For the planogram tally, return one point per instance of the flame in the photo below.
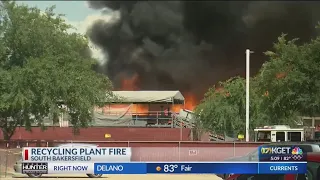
(130, 84)
(121, 108)
(140, 108)
(176, 108)
(117, 109)
(190, 101)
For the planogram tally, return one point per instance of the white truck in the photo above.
(279, 133)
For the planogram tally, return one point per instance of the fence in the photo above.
(141, 150)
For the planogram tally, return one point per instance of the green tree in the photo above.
(286, 87)
(223, 109)
(42, 66)
(291, 78)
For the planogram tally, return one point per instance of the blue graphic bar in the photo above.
(282, 168)
(120, 168)
(202, 168)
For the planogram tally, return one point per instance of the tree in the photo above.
(223, 109)
(43, 66)
(292, 79)
(286, 87)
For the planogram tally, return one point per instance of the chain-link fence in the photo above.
(142, 151)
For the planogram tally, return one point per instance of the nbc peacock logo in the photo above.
(297, 153)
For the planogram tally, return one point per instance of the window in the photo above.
(294, 136)
(306, 148)
(280, 136)
(264, 136)
(316, 122)
(317, 135)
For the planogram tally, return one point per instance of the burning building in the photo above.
(125, 119)
(141, 108)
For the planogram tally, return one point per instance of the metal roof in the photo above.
(149, 96)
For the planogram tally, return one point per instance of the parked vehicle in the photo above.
(254, 155)
(313, 172)
(279, 133)
(18, 165)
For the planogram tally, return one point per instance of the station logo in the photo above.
(275, 150)
(297, 153)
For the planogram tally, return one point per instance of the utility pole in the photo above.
(247, 94)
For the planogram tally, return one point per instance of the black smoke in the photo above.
(191, 45)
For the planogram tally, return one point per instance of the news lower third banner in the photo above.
(76, 154)
(177, 168)
(202, 168)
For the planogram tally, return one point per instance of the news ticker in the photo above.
(281, 153)
(69, 154)
(167, 168)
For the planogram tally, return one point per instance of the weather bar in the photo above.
(202, 168)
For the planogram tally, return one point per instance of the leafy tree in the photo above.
(42, 66)
(291, 78)
(223, 109)
(286, 86)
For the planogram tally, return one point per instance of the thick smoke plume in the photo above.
(190, 46)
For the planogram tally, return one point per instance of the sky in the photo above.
(74, 10)
(77, 13)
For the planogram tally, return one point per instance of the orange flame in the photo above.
(176, 108)
(130, 84)
(140, 108)
(190, 101)
(121, 108)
